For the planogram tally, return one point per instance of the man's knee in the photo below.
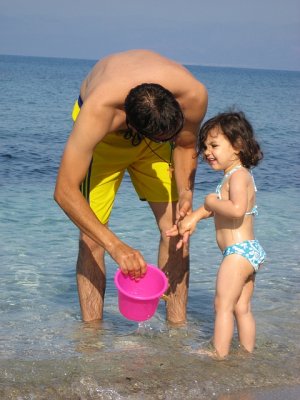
(90, 256)
(88, 244)
(164, 214)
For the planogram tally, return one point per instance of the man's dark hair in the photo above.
(153, 111)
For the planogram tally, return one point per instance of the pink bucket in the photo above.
(138, 300)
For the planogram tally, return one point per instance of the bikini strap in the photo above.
(254, 210)
(229, 173)
(255, 188)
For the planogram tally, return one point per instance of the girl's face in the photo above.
(219, 152)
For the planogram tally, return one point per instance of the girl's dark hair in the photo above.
(153, 110)
(239, 132)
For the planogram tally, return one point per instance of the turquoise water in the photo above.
(46, 351)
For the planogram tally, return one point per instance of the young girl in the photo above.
(227, 143)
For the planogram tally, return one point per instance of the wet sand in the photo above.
(274, 393)
(135, 371)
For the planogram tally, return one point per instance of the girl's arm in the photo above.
(189, 223)
(236, 205)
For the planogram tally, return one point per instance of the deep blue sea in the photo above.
(46, 351)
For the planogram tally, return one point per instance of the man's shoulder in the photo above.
(195, 101)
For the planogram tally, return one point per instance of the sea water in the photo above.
(46, 351)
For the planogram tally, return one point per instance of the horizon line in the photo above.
(187, 64)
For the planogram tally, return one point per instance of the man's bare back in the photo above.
(112, 77)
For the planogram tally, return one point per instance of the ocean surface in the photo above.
(46, 351)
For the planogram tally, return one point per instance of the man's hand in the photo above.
(184, 205)
(184, 208)
(130, 261)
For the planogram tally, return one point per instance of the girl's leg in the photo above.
(232, 275)
(244, 317)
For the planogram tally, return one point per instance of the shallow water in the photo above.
(46, 351)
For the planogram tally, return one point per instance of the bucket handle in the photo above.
(165, 297)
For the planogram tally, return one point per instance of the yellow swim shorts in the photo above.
(146, 163)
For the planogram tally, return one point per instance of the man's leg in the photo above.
(91, 280)
(175, 263)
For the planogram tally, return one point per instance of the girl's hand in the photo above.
(187, 224)
(184, 228)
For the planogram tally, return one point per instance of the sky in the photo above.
(238, 33)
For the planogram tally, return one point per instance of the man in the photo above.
(140, 112)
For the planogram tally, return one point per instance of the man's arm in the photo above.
(185, 159)
(185, 162)
(89, 129)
